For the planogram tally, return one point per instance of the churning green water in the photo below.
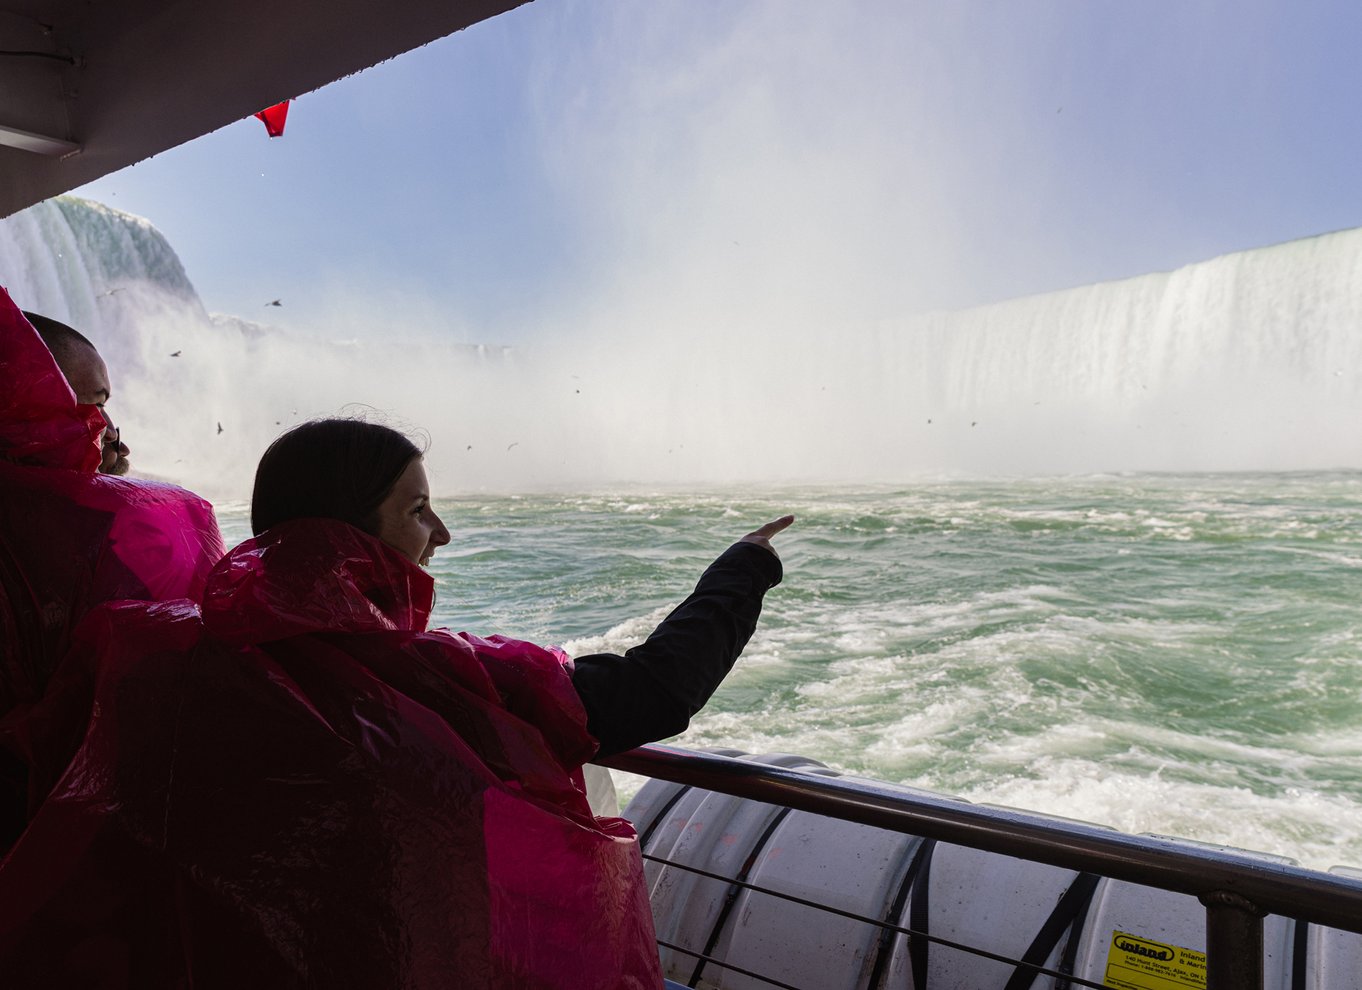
(1173, 654)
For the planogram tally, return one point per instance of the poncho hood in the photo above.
(40, 421)
(312, 576)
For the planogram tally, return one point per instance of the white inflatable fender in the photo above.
(1098, 929)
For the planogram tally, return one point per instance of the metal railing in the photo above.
(1237, 889)
(886, 928)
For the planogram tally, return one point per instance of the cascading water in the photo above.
(197, 396)
(1248, 361)
(67, 256)
(1251, 361)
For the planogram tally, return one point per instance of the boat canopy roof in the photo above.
(87, 88)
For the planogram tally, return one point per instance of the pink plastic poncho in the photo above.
(304, 788)
(70, 538)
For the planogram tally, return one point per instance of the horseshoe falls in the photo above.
(1250, 361)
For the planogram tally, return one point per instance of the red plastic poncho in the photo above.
(304, 788)
(40, 421)
(70, 538)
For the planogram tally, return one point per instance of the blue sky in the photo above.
(572, 163)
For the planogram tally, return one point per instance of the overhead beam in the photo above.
(39, 144)
(153, 74)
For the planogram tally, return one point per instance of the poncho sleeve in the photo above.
(652, 691)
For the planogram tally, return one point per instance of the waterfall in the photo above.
(198, 396)
(64, 256)
(1250, 361)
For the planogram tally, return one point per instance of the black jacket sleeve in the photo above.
(651, 692)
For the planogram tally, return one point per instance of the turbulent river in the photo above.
(1179, 654)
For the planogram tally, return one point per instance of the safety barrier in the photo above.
(775, 871)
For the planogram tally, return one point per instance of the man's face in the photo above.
(89, 379)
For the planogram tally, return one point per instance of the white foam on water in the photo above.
(1318, 830)
(618, 638)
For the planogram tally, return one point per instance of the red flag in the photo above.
(273, 118)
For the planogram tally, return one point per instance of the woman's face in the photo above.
(406, 522)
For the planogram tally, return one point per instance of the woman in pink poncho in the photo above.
(300, 786)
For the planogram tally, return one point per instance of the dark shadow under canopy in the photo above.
(89, 88)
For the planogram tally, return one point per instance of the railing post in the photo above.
(1234, 942)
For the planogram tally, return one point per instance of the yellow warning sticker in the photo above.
(1136, 963)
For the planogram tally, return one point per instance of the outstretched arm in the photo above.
(653, 690)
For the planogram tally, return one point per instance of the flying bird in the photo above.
(176, 353)
(219, 427)
(274, 302)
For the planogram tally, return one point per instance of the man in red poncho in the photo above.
(70, 538)
(88, 377)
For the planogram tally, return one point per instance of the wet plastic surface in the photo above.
(70, 538)
(304, 788)
(40, 421)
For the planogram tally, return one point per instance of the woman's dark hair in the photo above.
(329, 469)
